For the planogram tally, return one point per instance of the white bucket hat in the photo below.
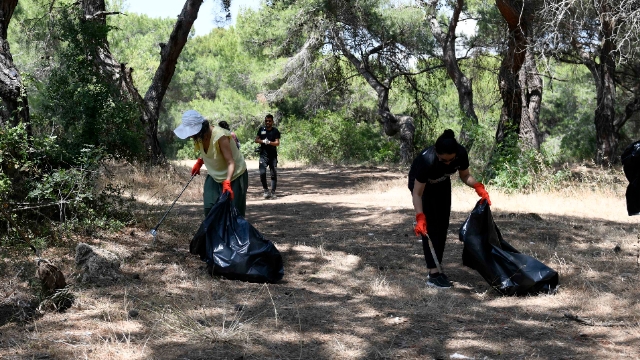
(191, 124)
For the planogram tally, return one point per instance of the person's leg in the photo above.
(239, 187)
(263, 176)
(436, 203)
(213, 190)
(273, 168)
(211, 193)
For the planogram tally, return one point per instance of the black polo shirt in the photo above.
(426, 168)
(273, 135)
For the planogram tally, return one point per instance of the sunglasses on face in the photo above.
(442, 159)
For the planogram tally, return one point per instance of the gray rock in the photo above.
(97, 266)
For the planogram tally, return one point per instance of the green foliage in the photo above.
(567, 115)
(187, 151)
(39, 192)
(80, 104)
(515, 168)
(333, 138)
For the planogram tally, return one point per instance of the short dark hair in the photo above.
(223, 124)
(269, 116)
(447, 143)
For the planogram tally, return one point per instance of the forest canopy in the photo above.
(535, 85)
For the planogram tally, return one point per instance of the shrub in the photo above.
(39, 192)
(514, 168)
(333, 138)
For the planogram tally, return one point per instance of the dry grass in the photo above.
(354, 279)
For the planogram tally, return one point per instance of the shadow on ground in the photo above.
(354, 286)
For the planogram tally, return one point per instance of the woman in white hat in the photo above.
(226, 168)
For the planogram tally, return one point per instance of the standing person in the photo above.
(430, 185)
(226, 168)
(225, 125)
(269, 138)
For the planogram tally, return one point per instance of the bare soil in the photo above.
(354, 285)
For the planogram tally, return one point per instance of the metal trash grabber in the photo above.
(433, 253)
(154, 231)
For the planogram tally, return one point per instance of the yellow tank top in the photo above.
(214, 160)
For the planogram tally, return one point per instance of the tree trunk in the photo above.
(392, 124)
(463, 84)
(512, 60)
(530, 83)
(520, 86)
(94, 10)
(15, 105)
(603, 72)
(396, 124)
(607, 136)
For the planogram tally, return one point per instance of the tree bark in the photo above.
(603, 72)
(447, 41)
(607, 135)
(513, 80)
(530, 83)
(392, 124)
(94, 10)
(15, 105)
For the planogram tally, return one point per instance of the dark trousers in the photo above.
(272, 163)
(436, 204)
(213, 190)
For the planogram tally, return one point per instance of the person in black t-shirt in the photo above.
(430, 186)
(269, 138)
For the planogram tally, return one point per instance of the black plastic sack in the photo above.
(503, 267)
(235, 249)
(631, 167)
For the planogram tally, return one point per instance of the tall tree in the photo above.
(445, 35)
(380, 42)
(519, 82)
(15, 106)
(95, 11)
(601, 35)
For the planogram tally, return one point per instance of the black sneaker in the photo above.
(440, 281)
(273, 195)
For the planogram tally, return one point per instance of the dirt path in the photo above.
(354, 285)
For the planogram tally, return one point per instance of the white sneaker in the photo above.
(267, 194)
(273, 195)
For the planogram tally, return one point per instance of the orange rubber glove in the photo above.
(421, 225)
(195, 170)
(482, 192)
(226, 186)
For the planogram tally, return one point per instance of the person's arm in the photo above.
(420, 227)
(275, 142)
(258, 140)
(465, 177)
(418, 190)
(225, 148)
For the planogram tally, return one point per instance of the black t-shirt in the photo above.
(426, 167)
(273, 135)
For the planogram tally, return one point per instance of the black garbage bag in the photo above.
(235, 249)
(631, 167)
(502, 266)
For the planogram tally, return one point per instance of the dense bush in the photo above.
(515, 168)
(80, 103)
(333, 138)
(41, 194)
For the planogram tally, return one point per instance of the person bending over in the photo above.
(226, 168)
(430, 186)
